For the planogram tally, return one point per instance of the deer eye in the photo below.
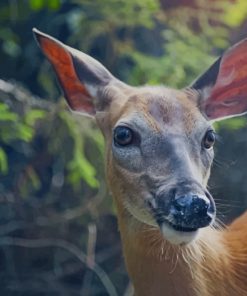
(123, 136)
(209, 139)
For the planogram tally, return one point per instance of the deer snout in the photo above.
(191, 211)
(184, 210)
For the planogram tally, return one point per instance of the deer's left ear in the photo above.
(82, 78)
(223, 86)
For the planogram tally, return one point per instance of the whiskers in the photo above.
(227, 203)
(219, 163)
(156, 243)
(226, 209)
(174, 262)
(160, 248)
(218, 224)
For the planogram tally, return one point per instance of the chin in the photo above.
(178, 237)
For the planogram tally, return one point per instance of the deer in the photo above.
(158, 155)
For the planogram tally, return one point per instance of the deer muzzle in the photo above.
(184, 209)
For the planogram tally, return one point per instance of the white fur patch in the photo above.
(178, 237)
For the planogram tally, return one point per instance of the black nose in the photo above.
(191, 211)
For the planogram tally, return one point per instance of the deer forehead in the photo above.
(157, 109)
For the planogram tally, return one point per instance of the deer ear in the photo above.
(223, 86)
(80, 76)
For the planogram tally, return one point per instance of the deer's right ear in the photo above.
(80, 76)
(223, 86)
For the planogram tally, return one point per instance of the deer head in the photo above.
(159, 140)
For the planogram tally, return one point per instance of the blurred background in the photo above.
(58, 231)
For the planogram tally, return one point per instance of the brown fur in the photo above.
(213, 265)
(172, 125)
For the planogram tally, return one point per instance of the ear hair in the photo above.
(223, 86)
(208, 78)
(80, 76)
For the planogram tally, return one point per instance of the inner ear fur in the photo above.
(80, 76)
(223, 86)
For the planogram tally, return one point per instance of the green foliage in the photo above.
(16, 126)
(176, 66)
(79, 167)
(236, 13)
(26, 123)
(232, 124)
(41, 4)
(118, 13)
(3, 162)
(32, 116)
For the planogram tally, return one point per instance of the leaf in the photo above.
(35, 181)
(54, 4)
(232, 123)
(25, 132)
(6, 114)
(79, 167)
(236, 13)
(3, 162)
(37, 4)
(31, 117)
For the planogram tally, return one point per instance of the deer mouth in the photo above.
(161, 220)
(180, 223)
(180, 228)
(178, 235)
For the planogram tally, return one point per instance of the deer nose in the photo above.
(191, 211)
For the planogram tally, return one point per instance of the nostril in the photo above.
(200, 206)
(177, 206)
(192, 205)
(182, 202)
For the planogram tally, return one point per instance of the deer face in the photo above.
(159, 141)
(159, 153)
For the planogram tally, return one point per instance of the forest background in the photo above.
(58, 230)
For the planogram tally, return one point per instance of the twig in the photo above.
(19, 94)
(92, 235)
(74, 213)
(59, 243)
(69, 214)
(129, 290)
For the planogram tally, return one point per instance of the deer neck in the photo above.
(158, 268)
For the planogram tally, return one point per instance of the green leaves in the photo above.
(232, 124)
(6, 114)
(236, 12)
(41, 4)
(79, 167)
(66, 135)
(3, 162)
(15, 126)
(120, 13)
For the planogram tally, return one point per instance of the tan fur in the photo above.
(213, 265)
